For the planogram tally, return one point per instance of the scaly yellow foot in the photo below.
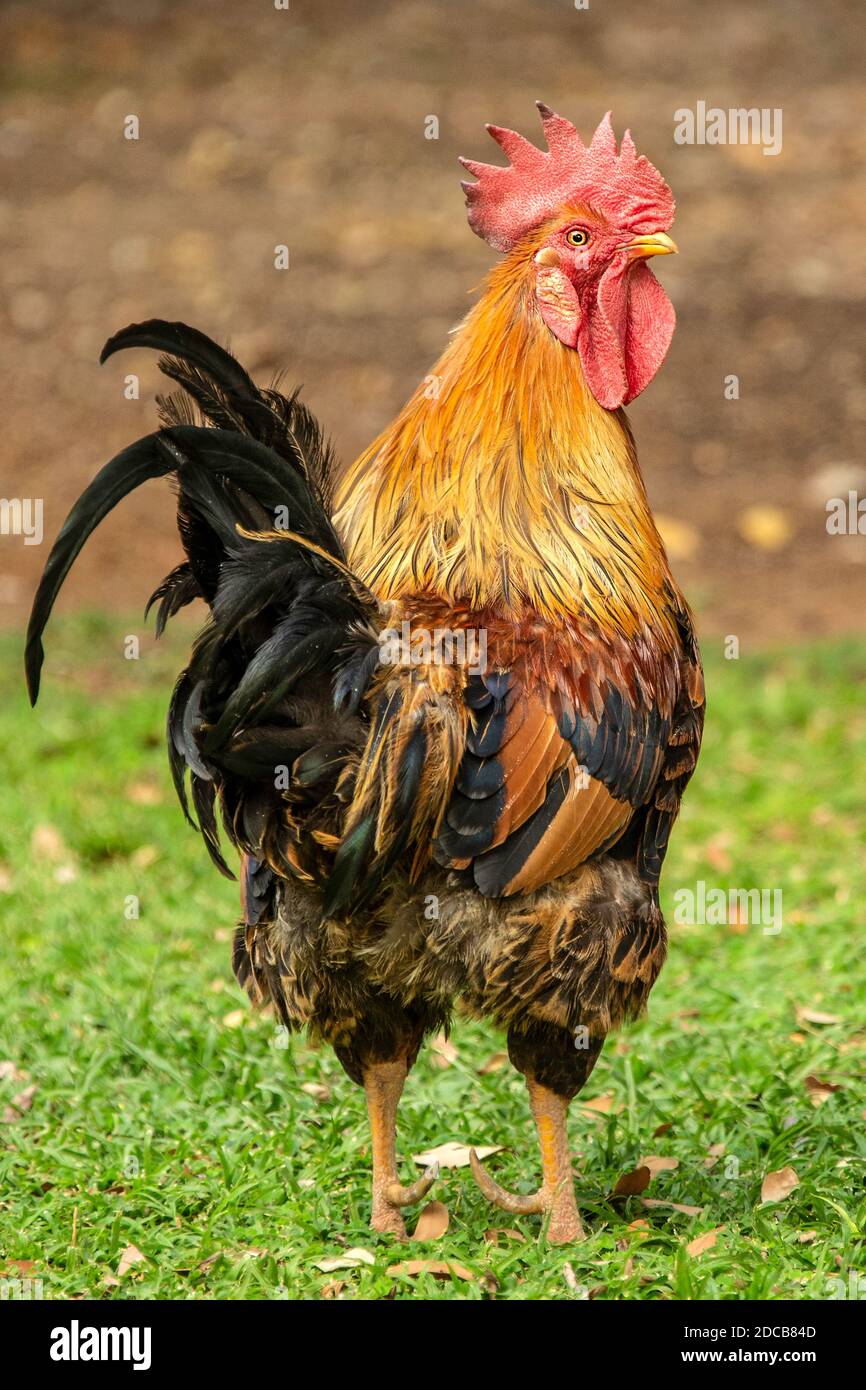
(383, 1086)
(555, 1198)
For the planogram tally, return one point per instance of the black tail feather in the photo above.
(229, 398)
(148, 458)
(214, 368)
(279, 672)
(177, 590)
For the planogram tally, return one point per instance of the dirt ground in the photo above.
(261, 126)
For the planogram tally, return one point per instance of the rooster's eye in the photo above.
(577, 237)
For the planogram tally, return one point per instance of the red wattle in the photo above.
(625, 333)
(649, 328)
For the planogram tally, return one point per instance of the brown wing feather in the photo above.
(528, 761)
(573, 736)
(587, 820)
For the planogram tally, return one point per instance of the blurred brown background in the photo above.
(261, 126)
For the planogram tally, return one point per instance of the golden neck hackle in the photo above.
(503, 483)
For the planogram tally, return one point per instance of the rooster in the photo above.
(448, 717)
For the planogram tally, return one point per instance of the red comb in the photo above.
(624, 187)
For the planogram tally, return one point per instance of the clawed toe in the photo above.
(399, 1196)
(564, 1225)
(516, 1203)
(392, 1196)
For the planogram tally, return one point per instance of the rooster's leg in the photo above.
(383, 1086)
(555, 1197)
(551, 1082)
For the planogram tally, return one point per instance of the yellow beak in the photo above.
(653, 244)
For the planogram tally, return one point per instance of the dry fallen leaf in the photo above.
(144, 794)
(716, 852)
(779, 1185)
(317, 1090)
(454, 1155)
(19, 1106)
(334, 1289)
(144, 856)
(570, 1277)
(443, 1052)
(46, 842)
(9, 1072)
(806, 1237)
(235, 1019)
(738, 918)
(432, 1222)
(24, 1099)
(507, 1232)
(205, 1265)
(494, 1063)
(671, 1206)
(714, 1153)
(662, 1128)
(816, 1016)
(658, 1164)
(129, 1257)
(440, 1269)
(704, 1242)
(819, 1091)
(352, 1258)
(630, 1184)
(603, 1105)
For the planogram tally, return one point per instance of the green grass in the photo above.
(156, 1124)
